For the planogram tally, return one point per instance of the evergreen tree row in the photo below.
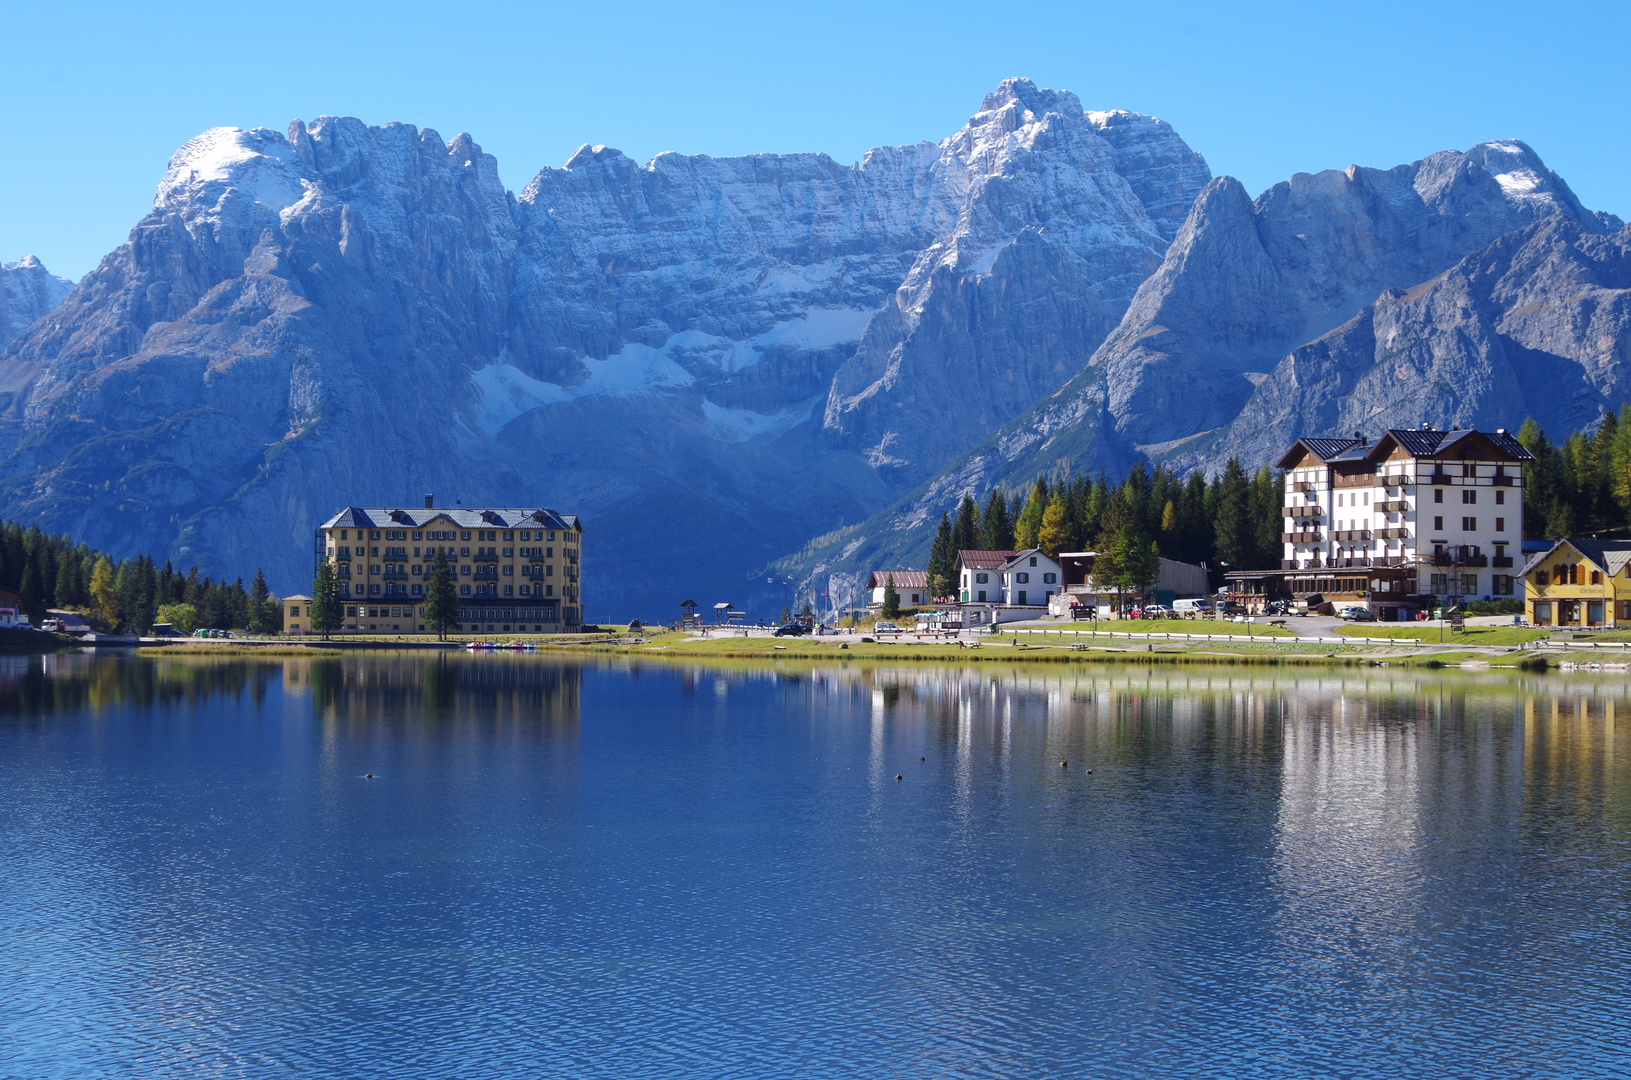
(1581, 487)
(1232, 522)
(52, 571)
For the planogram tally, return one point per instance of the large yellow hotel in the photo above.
(515, 570)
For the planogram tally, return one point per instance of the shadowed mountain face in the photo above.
(1464, 288)
(713, 360)
(730, 355)
(28, 292)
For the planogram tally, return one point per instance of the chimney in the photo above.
(430, 502)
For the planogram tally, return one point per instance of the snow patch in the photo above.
(817, 328)
(795, 279)
(1520, 182)
(740, 425)
(259, 163)
(504, 392)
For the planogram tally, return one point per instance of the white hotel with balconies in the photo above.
(1401, 522)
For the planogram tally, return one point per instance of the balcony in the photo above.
(1305, 487)
(1351, 536)
(1314, 537)
(1304, 511)
(1502, 562)
(1502, 481)
(1380, 562)
(1475, 560)
(1440, 479)
(1392, 506)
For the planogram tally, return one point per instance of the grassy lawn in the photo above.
(1506, 636)
(1160, 626)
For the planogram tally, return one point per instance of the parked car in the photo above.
(792, 629)
(1356, 613)
(1277, 607)
(886, 628)
(1231, 607)
(1191, 608)
(1156, 611)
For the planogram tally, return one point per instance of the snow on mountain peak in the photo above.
(259, 162)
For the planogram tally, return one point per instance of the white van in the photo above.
(1188, 609)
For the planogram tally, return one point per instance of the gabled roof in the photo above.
(1431, 443)
(1610, 556)
(358, 517)
(1417, 442)
(1323, 449)
(904, 579)
(984, 560)
(1021, 555)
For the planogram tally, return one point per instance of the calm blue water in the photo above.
(669, 871)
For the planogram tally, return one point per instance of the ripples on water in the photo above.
(669, 871)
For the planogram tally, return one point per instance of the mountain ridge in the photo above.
(345, 313)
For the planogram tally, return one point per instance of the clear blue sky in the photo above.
(98, 95)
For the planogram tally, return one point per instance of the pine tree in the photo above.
(327, 613)
(965, 534)
(891, 598)
(1143, 564)
(996, 527)
(1267, 497)
(942, 561)
(265, 615)
(441, 605)
(1540, 480)
(1231, 516)
(1029, 525)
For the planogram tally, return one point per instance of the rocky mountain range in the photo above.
(712, 360)
(28, 292)
(1464, 288)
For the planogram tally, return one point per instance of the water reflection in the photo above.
(630, 868)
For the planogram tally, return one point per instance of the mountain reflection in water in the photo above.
(629, 868)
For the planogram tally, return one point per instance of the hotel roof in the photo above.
(1417, 442)
(502, 517)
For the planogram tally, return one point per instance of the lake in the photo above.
(631, 869)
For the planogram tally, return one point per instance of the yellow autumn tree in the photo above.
(105, 595)
(1055, 531)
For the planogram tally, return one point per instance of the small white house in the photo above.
(911, 585)
(1007, 578)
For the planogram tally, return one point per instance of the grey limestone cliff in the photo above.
(28, 292)
(1467, 287)
(354, 314)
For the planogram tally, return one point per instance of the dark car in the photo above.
(792, 629)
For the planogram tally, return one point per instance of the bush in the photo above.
(1494, 607)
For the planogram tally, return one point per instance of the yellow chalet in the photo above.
(1580, 583)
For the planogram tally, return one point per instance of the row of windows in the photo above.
(1469, 524)
(452, 534)
(344, 552)
(420, 569)
(392, 588)
(1467, 584)
(1568, 611)
(1021, 578)
(547, 614)
(1570, 574)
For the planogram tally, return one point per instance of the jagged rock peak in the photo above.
(28, 291)
(593, 155)
(1033, 98)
